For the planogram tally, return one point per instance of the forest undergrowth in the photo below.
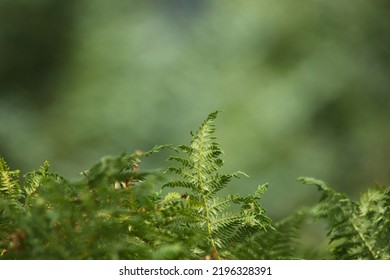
(117, 210)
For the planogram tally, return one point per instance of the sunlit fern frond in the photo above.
(198, 166)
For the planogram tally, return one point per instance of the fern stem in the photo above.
(369, 248)
(356, 229)
(214, 251)
(361, 236)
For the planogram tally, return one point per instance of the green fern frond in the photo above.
(34, 180)
(280, 242)
(154, 150)
(10, 196)
(119, 171)
(9, 183)
(357, 230)
(198, 168)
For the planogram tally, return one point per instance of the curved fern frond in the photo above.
(357, 230)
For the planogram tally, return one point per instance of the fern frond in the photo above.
(111, 170)
(155, 149)
(227, 229)
(9, 183)
(10, 203)
(35, 179)
(355, 228)
(198, 168)
(278, 242)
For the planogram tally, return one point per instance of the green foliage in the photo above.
(10, 194)
(198, 168)
(117, 210)
(257, 59)
(357, 230)
(9, 185)
(281, 243)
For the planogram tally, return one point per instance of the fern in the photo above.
(90, 218)
(357, 230)
(117, 210)
(198, 168)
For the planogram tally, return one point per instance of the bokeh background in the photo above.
(304, 85)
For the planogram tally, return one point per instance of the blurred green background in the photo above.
(304, 85)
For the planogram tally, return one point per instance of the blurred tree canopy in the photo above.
(304, 85)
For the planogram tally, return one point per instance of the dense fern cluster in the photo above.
(119, 211)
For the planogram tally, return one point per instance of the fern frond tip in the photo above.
(312, 181)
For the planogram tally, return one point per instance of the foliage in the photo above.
(357, 230)
(119, 211)
(222, 229)
(295, 85)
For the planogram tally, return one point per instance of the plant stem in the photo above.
(201, 183)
